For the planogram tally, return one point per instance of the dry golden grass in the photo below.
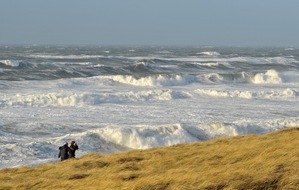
(245, 162)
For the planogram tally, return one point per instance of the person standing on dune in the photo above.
(72, 149)
(64, 152)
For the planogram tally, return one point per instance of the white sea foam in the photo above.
(272, 94)
(13, 63)
(289, 49)
(219, 93)
(81, 99)
(121, 138)
(270, 77)
(209, 64)
(50, 56)
(165, 52)
(106, 140)
(253, 60)
(214, 64)
(159, 80)
(209, 53)
(141, 137)
(216, 130)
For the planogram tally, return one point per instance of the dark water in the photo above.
(48, 63)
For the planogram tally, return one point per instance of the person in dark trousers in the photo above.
(64, 152)
(72, 149)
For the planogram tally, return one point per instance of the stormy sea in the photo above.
(112, 99)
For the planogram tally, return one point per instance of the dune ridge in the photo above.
(269, 161)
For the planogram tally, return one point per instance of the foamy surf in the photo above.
(123, 138)
(118, 99)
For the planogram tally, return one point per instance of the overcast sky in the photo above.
(150, 22)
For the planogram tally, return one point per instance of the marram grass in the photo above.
(268, 161)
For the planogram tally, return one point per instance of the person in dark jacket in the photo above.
(64, 152)
(72, 149)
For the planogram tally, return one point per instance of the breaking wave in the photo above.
(283, 93)
(57, 99)
(14, 63)
(143, 136)
(116, 138)
(209, 53)
(50, 56)
(270, 77)
(158, 80)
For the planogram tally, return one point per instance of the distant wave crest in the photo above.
(56, 99)
(270, 77)
(15, 63)
(157, 80)
(209, 53)
(283, 93)
(11, 63)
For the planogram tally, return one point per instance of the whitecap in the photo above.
(13, 63)
(209, 53)
(159, 80)
(269, 77)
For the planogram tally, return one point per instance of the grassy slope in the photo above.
(245, 162)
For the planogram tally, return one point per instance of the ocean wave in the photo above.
(116, 138)
(214, 64)
(209, 53)
(51, 56)
(58, 99)
(32, 153)
(11, 63)
(282, 93)
(280, 60)
(269, 77)
(141, 67)
(238, 77)
(143, 137)
(219, 93)
(217, 130)
(105, 140)
(165, 52)
(157, 80)
(15, 63)
(137, 137)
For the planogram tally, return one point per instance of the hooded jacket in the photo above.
(72, 150)
(63, 152)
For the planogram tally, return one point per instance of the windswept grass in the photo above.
(245, 162)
